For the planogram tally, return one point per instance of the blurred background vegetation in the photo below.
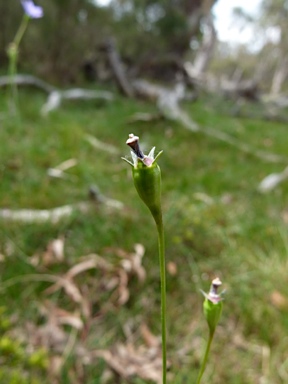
(80, 294)
(153, 38)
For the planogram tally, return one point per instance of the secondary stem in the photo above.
(13, 57)
(161, 245)
(21, 30)
(204, 362)
(12, 90)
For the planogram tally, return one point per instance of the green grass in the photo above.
(216, 224)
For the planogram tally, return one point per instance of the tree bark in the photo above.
(205, 52)
(118, 69)
(280, 76)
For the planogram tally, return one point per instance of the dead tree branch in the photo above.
(27, 80)
(118, 69)
(56, 97)
(266, 156)
(271, 181)
(168, 101)
(55, 215)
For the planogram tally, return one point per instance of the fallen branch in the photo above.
(247, 89)
(59, 170)
(101, 145)
(168, 100)
(268, 109)
(270, 157)
(27, 80)
(55, 98)
(54, 215)
(267, 116)
(144, 117)
(272, 181)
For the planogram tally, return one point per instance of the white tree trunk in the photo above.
(205, 52)
(280, 76)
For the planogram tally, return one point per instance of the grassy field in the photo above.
(217, 224)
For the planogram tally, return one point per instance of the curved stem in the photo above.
(205, 358)
(161, 246)
(21, 30)
(13, 57)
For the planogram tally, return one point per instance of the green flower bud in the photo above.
(146, 176)
(212, 305)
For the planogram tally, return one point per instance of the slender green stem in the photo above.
(205, 358)
(21, 30)
(13, 58)
(161, 245)
(12, 91)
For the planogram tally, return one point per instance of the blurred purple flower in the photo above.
(32, 10)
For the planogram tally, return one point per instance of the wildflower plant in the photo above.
(147, 180)
(212, 308)
(31, 11)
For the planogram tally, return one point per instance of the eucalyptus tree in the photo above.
(273, 25)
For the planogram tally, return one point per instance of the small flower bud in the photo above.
(212, 305)
(146, 176)
(147, 181)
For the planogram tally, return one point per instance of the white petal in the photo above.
(134, 158)
(151, 153)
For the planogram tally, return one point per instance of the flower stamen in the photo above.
(133, 143)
